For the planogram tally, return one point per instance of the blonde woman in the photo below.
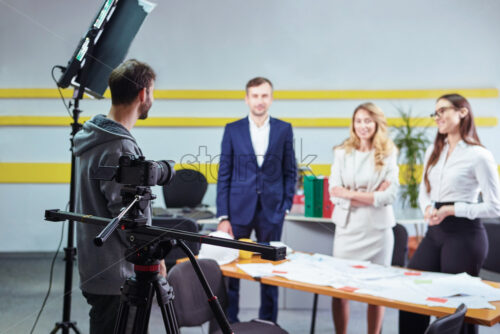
(363, 184)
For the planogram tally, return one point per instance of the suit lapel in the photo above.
(349, 170)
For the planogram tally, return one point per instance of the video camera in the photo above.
(137, 171)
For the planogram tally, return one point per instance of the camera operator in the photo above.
(101, 142)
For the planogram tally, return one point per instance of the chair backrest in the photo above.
(190, 302)
(178, 223)
(449, 324)
(186, 189)
(492, 261)
(400, 252)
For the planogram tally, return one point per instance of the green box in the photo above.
(313, 192)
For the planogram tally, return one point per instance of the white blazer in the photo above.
(380, 214)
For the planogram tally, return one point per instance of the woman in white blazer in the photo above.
(363, 184)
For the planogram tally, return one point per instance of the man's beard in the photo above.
(144, 109)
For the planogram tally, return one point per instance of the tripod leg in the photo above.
(135, 307)
(165, 296)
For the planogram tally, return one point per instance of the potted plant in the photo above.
(411, 140)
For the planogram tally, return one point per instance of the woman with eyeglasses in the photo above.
(457, 168)
(363, 184)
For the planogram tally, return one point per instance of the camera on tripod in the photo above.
(137, 171)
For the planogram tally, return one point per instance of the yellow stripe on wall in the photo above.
(41, 172)
(191, 94)
(324, 122)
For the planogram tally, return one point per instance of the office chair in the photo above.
(400, 252)
(492, 261)
(178, 223)
(185, 192)
(449, 324)
(186, 189)
(191, 305)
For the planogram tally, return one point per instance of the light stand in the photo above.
(102, 48)
(70, 250)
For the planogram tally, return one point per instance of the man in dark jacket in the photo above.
(256, 183)
(101, 142)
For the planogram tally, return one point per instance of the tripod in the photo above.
(149, 244)
(138, 290)
(136, 300)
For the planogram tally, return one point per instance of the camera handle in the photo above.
(114, 223)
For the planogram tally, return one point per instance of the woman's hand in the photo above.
(383, 186)
(437, 216)
(428, 213)
(341, 192)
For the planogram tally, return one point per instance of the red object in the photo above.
(412, 273)
(280, 272)
(299, 199)
(348, 288)
(327, 204)
(436, 299)
(154, 267)
(358, 266)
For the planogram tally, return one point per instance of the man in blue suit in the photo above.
(256, 183)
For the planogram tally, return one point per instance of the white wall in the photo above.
(220, 44)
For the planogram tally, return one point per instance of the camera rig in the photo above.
(149, 244)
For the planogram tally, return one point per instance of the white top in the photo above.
(260, 139)
(469, 169)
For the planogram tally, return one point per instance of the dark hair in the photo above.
(126, 81)
(257, 82)
(467, 130)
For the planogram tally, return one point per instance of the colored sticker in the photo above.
(358, 266)
(279, 272)
(412, 273)
(437, 300)
(348, 288)
(422, 281)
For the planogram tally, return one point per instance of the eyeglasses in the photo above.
(440, 111)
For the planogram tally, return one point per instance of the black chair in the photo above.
(186, 189)
(191, 305)
(400, 252)
(492, 261)
(178, 223)
(184, 195)
(449, 324)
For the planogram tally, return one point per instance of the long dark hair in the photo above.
(467, 130)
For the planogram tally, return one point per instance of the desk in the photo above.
(475, 316)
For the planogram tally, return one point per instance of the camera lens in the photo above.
(165, 172)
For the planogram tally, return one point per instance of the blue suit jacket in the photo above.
(241, 181)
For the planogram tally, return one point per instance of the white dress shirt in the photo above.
(469, 169)
(260, 139)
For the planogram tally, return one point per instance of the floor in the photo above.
(24, 280)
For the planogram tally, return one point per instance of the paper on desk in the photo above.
(257, 269)
(425, 288)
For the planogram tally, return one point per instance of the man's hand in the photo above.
(163, 269)
(437, 216)
(341, 192)
(383, 186)
(225, 226)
